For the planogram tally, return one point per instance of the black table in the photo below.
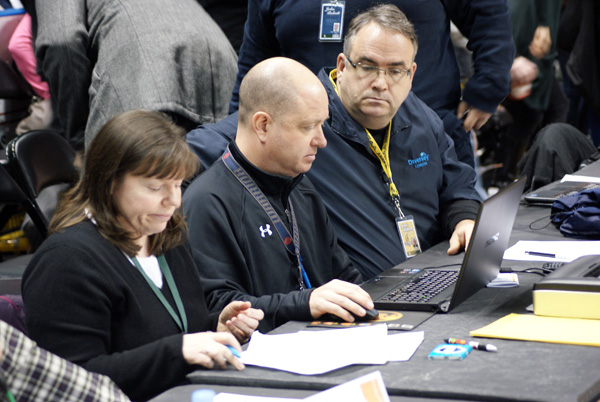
(184, 393)
(520, 371)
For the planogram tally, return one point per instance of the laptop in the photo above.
(399, 288)
(549, 193)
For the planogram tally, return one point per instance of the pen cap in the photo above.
(203, 395)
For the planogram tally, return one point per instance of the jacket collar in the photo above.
(344, 125)
(269, 184)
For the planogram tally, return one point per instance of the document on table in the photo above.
(551, 251)
(317, 352)
(530, 327)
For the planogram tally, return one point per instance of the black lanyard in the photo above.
(181, 319)
(284, 235)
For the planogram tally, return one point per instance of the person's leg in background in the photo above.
(558, 108)
(21, 49)
(518, 137)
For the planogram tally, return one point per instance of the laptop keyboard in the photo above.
(424, 288)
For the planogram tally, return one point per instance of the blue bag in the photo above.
(578, 215)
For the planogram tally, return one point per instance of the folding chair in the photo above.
(37, 160)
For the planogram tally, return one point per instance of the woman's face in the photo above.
(146, 204)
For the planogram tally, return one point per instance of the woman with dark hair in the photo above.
(114, 288)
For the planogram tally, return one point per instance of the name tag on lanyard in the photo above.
(408, 236)
(332, 21)
(405, 224)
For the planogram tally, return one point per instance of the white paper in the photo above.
(401, 347)
(563, 251)
(317, 352)
(580, 179)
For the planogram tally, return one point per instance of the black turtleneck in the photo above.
(276, 188)
(240, 255)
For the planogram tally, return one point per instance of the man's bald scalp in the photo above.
(271, 86)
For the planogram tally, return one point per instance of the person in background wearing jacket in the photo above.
(306, 31)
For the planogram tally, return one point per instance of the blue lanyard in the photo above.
(181, 319)
(284, 235)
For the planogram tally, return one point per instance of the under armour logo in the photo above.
(266, 230)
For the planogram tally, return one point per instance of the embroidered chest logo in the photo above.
(266, 231)
(420, 162)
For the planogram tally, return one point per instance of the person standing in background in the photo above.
(535, 25)
(104, 57)
(21, 49)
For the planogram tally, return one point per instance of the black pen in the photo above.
(537, 253)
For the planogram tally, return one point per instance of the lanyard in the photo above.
(384, 158)
(284, 235)
(181, 319)
(382, 154)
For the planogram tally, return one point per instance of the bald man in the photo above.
(258, 229)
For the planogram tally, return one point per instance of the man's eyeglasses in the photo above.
(363, 70)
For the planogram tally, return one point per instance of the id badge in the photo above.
(332, 21)
(408, 236)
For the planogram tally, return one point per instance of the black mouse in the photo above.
(370, 315)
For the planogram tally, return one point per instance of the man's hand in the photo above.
(540, 45)
(239, 319)
(474, 119)
(340, 298)
(461, 236)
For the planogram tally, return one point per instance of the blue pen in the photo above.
(234, 351)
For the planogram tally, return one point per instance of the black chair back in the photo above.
(39, 159)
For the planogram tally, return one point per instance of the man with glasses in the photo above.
(389, 176)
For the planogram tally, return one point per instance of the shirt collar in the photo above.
(269, 184)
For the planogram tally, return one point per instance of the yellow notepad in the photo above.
(529, 327)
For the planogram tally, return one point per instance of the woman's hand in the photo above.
(239, 319)
(207, 348)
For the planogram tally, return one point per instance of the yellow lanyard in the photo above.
(382, 154)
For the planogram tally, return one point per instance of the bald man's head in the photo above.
(283, 106)
(273, 86)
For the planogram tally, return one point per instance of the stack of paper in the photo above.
(317, 352)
